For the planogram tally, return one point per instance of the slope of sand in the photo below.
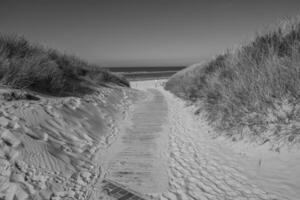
(49, 149)
(202, 167)
(146, 141)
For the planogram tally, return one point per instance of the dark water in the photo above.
(148, 75)
(146, 69)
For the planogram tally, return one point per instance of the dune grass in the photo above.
(32, 67)
(250, 91)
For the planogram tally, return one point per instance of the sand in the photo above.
(139, 158)
(146, 141)
(203, 167)
(49, 149)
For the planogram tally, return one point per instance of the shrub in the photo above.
(27, 66)
(244, 87)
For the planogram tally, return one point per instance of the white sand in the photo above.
(60, 148)
(201, 167)
(138, 159)
(49, 148)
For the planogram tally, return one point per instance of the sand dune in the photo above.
(199, 169)
(203, 167)
(144, 141)
(48, 148)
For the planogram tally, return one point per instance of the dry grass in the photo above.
(254, 89)
(27, 66)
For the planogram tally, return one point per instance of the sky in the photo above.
(119, 33)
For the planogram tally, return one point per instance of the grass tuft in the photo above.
(27, 66)
(250, 91)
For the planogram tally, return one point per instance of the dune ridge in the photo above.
(251, 92)
(48, 148)
(56, 112)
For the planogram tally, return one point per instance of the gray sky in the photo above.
(139, 32)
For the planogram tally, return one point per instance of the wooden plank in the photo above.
(120, 192)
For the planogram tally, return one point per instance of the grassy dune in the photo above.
(27, 66)
(251, 91)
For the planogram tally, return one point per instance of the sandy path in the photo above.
(138, 158)
(200, 167)
(64, 149)
(195, 169)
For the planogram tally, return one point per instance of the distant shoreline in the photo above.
(146, 69)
